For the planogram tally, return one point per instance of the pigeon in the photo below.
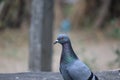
(71, 68)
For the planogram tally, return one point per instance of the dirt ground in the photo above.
(94, 48)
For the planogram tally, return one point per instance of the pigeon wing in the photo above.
(78, 71)
(64, 73)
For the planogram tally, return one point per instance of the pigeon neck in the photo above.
(68, 54)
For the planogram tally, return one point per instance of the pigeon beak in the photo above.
(56, 41)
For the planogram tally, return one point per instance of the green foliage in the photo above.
(117, 52)
(114, 29)
(118, 56)
(115, 33)
(12, 13)
(117, 60)
(1, 1)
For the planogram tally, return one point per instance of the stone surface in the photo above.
(104, 75)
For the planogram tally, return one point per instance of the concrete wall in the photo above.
(104, 75)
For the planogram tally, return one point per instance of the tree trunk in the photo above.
(103, 12)
(41, 35)
(79, 13)
(12, 13)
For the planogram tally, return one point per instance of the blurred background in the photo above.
(93, 27)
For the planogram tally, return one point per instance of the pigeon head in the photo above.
(62, 38)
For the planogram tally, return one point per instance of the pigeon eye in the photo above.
(62, 38)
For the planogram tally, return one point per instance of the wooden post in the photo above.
(40, 56)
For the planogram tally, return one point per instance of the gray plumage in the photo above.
(71, 68)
